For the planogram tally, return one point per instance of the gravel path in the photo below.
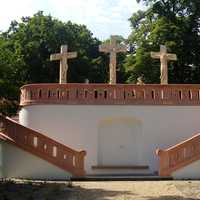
(154, 190)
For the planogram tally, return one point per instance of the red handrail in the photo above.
(42, 146)
(179, 155)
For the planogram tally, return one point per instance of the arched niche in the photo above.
(119, 141)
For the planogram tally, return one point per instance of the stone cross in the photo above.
(63, 56)
(113, 48)
(164, 58)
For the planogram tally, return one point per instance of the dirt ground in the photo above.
(117, 190)
(154, 190)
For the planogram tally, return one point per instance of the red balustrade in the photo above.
(179, 155)
(105, 94)
(42, 146)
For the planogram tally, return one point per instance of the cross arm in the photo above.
(59, 56)
(121, 48)
(56, 56)
(104, 48)
(171, 56)
(70, 55)
(155, 55)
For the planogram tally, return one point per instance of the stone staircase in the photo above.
(115, 170)
(179, 156)
(42, 146)
(122, 177)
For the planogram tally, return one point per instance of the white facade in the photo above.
(114, 134)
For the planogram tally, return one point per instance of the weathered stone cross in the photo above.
(113, 48)
(164, 57)
(63, 56)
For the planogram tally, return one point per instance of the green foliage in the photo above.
(174, 23)
(35, 38)
(26, 47)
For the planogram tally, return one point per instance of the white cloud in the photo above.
(102, 17)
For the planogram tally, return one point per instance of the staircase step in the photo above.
(120, 167)
(131, 177)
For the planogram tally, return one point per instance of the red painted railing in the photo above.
(42, 146)
(105, 94)
(179, 155)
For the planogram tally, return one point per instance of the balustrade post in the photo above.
(79, 163)
(163, 162)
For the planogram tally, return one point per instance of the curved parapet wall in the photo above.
(104, 94)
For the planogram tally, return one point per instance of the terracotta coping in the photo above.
(105, 94)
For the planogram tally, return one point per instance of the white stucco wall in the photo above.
(77, 126)
(191, 171)
(21, 164)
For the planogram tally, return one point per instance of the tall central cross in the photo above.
(63, 56)
(113, 48)
(164, 58)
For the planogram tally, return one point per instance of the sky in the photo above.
(102, 17)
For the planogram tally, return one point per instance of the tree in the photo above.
(26, 46)
(35, 38)
(174, 23)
